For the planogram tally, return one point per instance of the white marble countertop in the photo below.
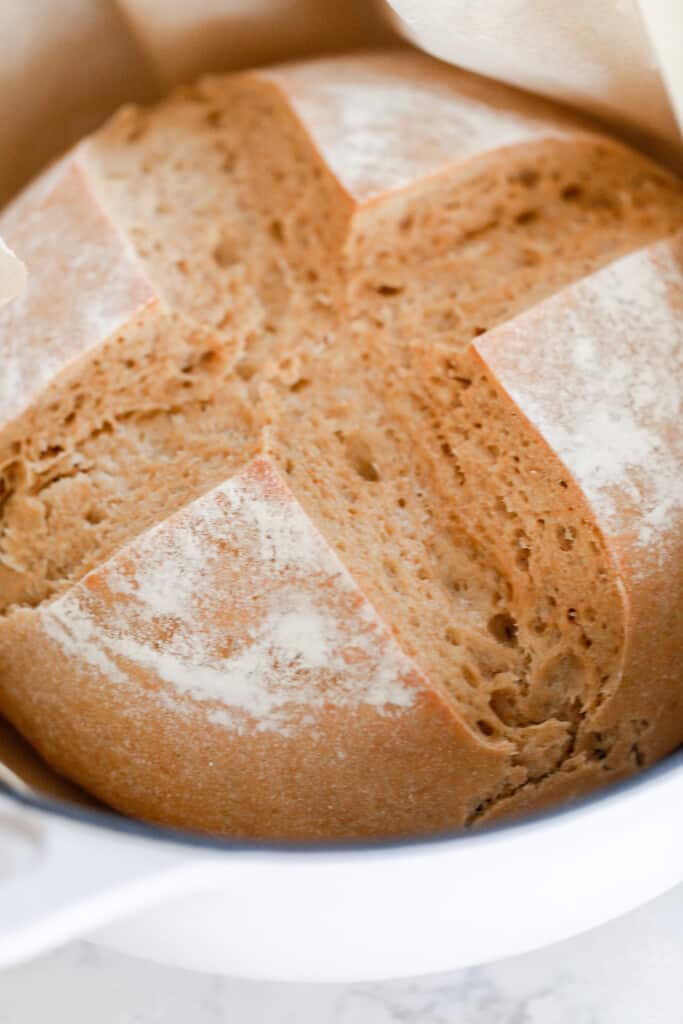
(627, 972)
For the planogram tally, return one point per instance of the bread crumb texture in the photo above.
(340, 455)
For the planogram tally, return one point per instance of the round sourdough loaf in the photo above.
(341, 450)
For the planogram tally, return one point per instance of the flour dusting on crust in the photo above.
(76, 295)
(378, 132)
(237, 601)
(598, 370)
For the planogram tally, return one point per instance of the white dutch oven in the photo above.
(324, 914)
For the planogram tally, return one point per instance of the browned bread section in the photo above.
(284, 551)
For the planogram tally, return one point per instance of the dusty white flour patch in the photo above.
(378, 132)
(77, 633)
(84, 282)
(599, 370)
(237, 601)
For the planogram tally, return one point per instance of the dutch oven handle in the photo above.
(61, 878)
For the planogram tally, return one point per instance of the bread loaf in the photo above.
(342, 457)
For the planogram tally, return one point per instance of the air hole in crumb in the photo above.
(452, 637)
(566, 536)
(527, 217)
(228, 164)
(367, 470)
(523, 555)
(289, 466)
(130, 364)
(389, 289)
(503, 628)
(531, 257)
(571, 193)
(208, 360)
(528, 178)
(407, 223)
(276, 230)
(401, 502)
(478, 331)
(564, 484)
(637, 755)
(458, 472)
(359, 455)
(473, 234)
(245, 370)
(224, 254)
(470, 677)
(94, 516)
(300, 384)
(485, 728)
(312, 276)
